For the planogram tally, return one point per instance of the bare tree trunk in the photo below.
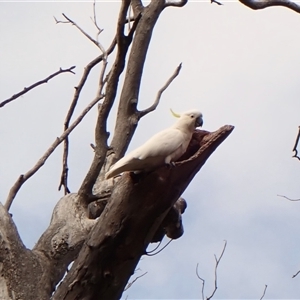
(132, 211)
(112, 249)
(129, 222)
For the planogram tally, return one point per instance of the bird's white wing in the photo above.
(161, 144)
(151, 154)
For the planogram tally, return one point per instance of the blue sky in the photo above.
(240, 67)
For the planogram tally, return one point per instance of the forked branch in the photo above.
(78, 88)
(94, 19)
(216, 273)
(27, 89)
(101, 134)
(137, 7)
(166, 85)
(80, 29)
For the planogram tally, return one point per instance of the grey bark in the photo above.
(33, 274)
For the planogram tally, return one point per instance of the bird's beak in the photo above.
(199, 122)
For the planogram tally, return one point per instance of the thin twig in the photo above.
(296, 145)
(133, 281)
(95, 20)
(296, 274)
(61, 22)
(24, 177)
(288, 198)
(166, 85)
(215, 1)
(165, 246)
(217, 264)
(98, 32)
(216, 273)
(27, 89)
(263, 295)
(148, 252)
(203, 281)
(80, 29)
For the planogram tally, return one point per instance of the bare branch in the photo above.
(258, 4)
(27, 89)
(133, 28)
(263, 295)
(133, 281)
(166, 85)
(62, 22)
(95, 19)
(296, 274)
(203, 281)
(122, 21)
(180, 3)
(24, 177)
(87, 69)
(137, 7)
(81, 30)
(288, 198)
(296, 145)
(216, 268)
(101, 134)
(216, 273)
(129, 17)
(128, 115)
(65, 169)
(159, 243)
(215, 1)
(102, 81)
(165, 246)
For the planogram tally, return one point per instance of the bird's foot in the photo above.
(136, 177)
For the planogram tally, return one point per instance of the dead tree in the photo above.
(107, 225)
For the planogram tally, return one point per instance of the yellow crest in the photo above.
(174, 114)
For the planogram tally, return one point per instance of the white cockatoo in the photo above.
(164, 147)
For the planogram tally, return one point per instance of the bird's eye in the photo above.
(192, 116)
